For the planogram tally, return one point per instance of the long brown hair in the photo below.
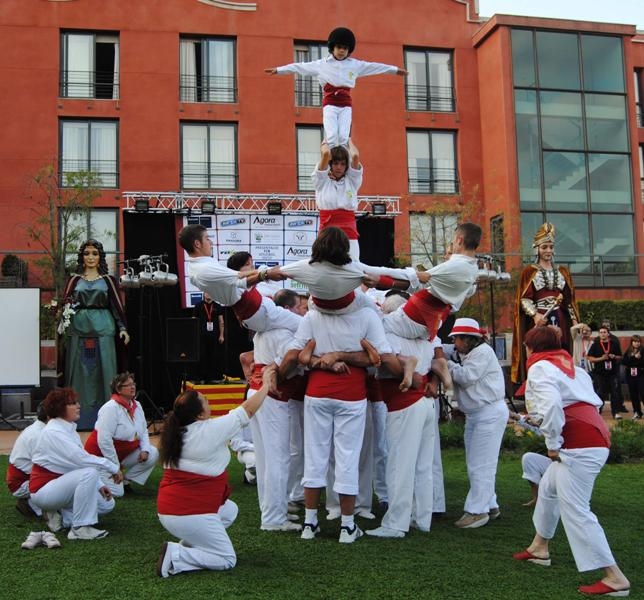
(187, 407)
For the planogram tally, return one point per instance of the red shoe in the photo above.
(603, 589)
(525, 555)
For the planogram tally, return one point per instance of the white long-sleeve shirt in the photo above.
(548, 391)
(339, 73)
(205, 443)
(114, 422)
(222, 284)
(333, 194)
(25, 446)
(328, 281)
(454, 280)
(478, 380)
(341, 332)
(60, 450)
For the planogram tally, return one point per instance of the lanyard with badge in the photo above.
(208, 307)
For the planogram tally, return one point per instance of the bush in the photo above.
(623, 314)
(627, 442)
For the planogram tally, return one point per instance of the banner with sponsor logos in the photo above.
(270, 239)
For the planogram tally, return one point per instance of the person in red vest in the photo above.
(193, 502)
(121, 435)
(561, 399)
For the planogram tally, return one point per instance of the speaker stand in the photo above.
(155, 410)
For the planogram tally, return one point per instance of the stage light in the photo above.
(207, 207)
(274, 208)
(142, 205)
(378, 208)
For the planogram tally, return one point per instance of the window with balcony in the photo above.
(89, 145)
(429, 84)
(431, 162)
(307, 89)
(639, 90)
(207, 70)
(209, 156)
(89, 66)
(308, 155)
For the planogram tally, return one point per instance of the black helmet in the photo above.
(343, 37)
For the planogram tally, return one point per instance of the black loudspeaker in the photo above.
(182, 340)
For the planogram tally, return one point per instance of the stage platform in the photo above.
(222, 397)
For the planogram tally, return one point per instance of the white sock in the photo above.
(311, 516)
(347, 521)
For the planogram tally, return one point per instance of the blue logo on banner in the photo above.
(230, 222)
(301, 223)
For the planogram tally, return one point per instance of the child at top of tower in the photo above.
(337, 74)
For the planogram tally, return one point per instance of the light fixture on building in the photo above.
(274, 208)
(207, 207)
(141, 205)
(378, 209)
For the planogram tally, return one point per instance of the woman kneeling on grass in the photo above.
(560, 397)
(193, 499)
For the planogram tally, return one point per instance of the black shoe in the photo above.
(623, 409)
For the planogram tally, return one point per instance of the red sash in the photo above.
(397, 400)
(288, 389)
(338, 386)
(342, 219)
(584, 427)
(15, 478)
(186, 493)
(123, 447)
(425, 309)
(335, 303)
(335, 96)
(40, 477)
(248, 304)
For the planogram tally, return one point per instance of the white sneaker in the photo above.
(87, 532)
(34, 539)
(366, 514)
(286, 526)
(333, 514)
(472, 521)
(309, 531)
(385, 532)
(54, 520)
(291, 517)
(50, 540)
(348, 536)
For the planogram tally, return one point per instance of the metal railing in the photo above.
(307, 91)
(304, 180)
(639, 117)
(431, 98)
(105, 170)
(432, 181)
(89, 84)
(209, 176)
(207, 88)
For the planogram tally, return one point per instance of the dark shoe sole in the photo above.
(164, 549)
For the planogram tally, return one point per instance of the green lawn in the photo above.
(447, 563)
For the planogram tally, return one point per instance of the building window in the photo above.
(497, 239)
(89, 146)
(429, 86)
(100, 224)
(573, 155)
(431, 162)
(308, 155)
(430, 237)
(209, 156)
(207, 70)
(89, 66)
(639, 90)
(307, 88)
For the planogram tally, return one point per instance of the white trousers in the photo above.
(296, 446)
(337, 125)
(242, 442)
(437, 465)
(410, 439)
(269, 316)
(204, 541)
(23, 492)
(336, 425)
(534, 466)
(379, 414)
(364, 499)
(483, 435)
(135, 471)
(270, 429)
(76, 494)
(400, 324)
(565, 490)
